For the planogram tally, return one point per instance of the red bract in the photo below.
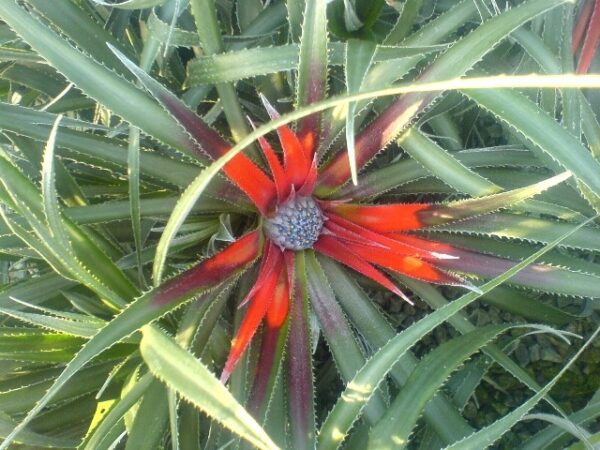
(586, 35)
(358, 236)
(296, 215)
(370, 239)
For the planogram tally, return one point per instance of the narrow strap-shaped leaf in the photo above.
(42, 250)
(89, 35)
(246, 63)
(269, 262)
(581, 25)
(448, 130)
(147, 58)
(96, 80)
(30, 438)
(311, 85)
(538, 276)
(151, 417)
(66, 185)
(359, 57)
(247, 12)
(278, 311)
(94, 438)
(31, 339)
(159, 207)
(280, 177)
(394, 429)
(133, 170)
(209, 30)
(211, 271)
(268, 21)
(334, 325)
(131, 4)
(551, 433)
(251, 62)
(439, 413)
(539, 128)
(519, 303)
(488, 435)
(21, 399)
(349, 231)
(241, 170)
(461, 322)
(440, 214)
(46, 80)
(92, 319)
(300, 384)
(379, 180)
(97, 150)
(168, 34)
(85, 329)
(358, 392)
(552, 202)
(514, 226)
(154, 304)
(34, 290)
(181, 371)
(295, 9)
(453, 63)
(406, 20)
(571, 99)
(383, 218)
(444, 165)
(49, 194)
(108, 280)
(488, 244)
(196, 335)
(271, 359)
(578, 432)
(32, 116)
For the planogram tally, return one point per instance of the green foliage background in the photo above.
(96, 206)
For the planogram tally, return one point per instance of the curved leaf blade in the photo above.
(394, 429)
(538, 127)
(488, 435)
(444, 165)
(151, 306)
(96, 80)
(179, 370)
(452, 64)
(312, 69)
(358, 392)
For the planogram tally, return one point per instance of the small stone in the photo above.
(522, 354)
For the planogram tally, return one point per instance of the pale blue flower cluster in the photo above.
(296, 225)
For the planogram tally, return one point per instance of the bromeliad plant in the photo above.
(295, 232)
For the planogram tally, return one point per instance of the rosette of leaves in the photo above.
(151, 241)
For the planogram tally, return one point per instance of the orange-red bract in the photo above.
(212, 271)
(336, 249)
(586, 34)
(383, 218)
(273, 287)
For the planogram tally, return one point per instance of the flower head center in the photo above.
(296, 225)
